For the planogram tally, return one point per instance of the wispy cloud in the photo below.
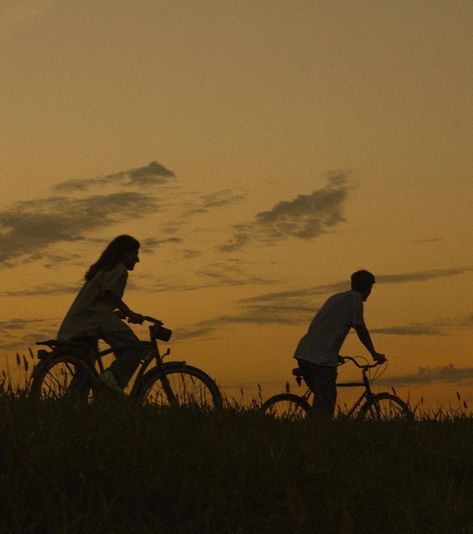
(297, 307)
(150, 175)
(19, 333)
(215, 275)
(422, 276)
(15, 14)
(28, 228)
(304, 217)
(41, 290)
(203, 203)
(343, 285)
(284, 315)
(426, 375)
(410, 330)
(150, 243)
(428, 240)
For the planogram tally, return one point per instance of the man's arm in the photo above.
(365, 338)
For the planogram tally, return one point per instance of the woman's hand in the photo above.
(135, 318)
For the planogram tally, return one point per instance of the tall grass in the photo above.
(121, 468)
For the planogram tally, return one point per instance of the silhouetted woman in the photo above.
(98, 309)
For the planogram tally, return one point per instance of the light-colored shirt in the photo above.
(90, 314)
(329, 328)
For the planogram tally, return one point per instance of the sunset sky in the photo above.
(261, 151)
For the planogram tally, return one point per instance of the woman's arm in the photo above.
(118, 304)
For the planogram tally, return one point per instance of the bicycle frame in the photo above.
(151, 352)
(366, 395)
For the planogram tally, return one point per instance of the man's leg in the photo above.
(325, 391)
(322, 381)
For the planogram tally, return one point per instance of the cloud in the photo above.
(344, 285)
(428, 240)
(19, 333)
(410, 330)
(297, 307)
(283, 315)
(152, 174)
(27, 228)
(14, 15)
(150, 243)
(214, 200)
(211, 279)
(305, 217)
(37, 291)
(421, 276)
(425, 375)
(17, 324)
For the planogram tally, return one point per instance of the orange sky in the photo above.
(294, 142)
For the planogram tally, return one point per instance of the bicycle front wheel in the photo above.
(60, 376)
(182, 385)
(385, 407)
(286, 406)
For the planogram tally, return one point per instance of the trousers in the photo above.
(322, 381)
(128, 353)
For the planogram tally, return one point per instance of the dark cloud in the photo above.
(152, 174)
(51, 261)
(305, 217)
(189, 254)
(425, 375)
(421, 276)
(19, 334)
(17, 324)
(150, 243)
(209, 279)
(29, 227)
(344, 285)
(209, 201)
(37, 291)
(298, 308)
(283, 315)
(410, 330)
(428, 240)
(231, 273)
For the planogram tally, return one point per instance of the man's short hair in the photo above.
(361, 280)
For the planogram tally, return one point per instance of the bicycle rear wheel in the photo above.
(286, 406)
(385, 407)
(60, 376)
(188, 386)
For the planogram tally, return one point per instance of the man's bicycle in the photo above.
(72, 369)
(370, 406)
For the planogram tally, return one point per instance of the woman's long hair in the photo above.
(112, 255)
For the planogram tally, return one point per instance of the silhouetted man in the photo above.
(317, 352)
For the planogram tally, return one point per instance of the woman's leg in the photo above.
(128, 352)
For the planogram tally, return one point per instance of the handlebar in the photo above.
(343, 359)
(152, 320)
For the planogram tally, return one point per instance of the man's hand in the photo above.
(135, 318)
(379, 358)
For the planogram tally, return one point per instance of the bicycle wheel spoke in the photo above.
(59, 377)
(186, 387)
(385, 407)
(286, 406)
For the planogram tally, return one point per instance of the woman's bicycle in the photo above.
(72, 369)
(370, 406)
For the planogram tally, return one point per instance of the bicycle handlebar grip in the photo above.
(151, 319)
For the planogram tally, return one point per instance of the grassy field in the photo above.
(121, 468)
